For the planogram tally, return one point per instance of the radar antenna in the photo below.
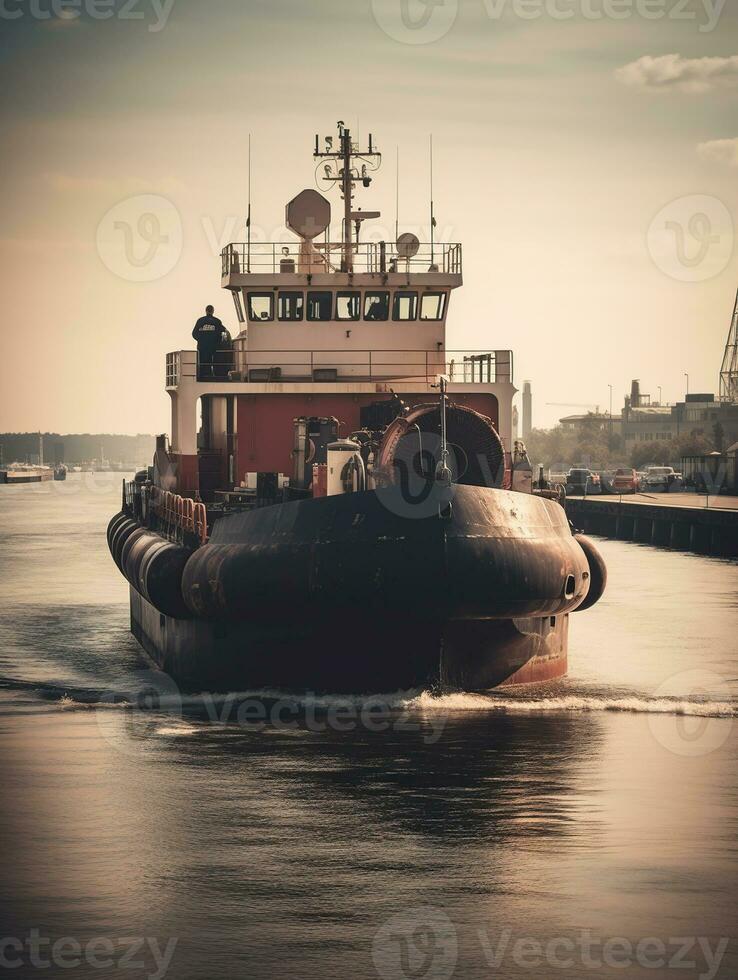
(340, 171)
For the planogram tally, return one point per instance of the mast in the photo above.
(342, 172)
(347, 189)
(443, 473)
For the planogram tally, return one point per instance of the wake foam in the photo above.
(574, 703)
(213, 705)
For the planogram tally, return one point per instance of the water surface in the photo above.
(581, 829)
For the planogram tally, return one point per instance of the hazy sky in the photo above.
(586, 154)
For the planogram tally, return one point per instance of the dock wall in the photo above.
(704, 531)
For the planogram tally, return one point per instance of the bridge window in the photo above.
(405, 306)
(432, 306)
(319, 306)
(348, 306)
(290, 306)
(261, 306)
(376, 305)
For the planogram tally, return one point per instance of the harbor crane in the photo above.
(729, 369)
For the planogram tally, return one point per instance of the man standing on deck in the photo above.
(209, 333)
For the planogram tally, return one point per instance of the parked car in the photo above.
(582, 481)
(662, 478)
(625, 481)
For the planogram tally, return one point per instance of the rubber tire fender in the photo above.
(597, 571)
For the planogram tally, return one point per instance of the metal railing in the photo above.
(181, 519)
(460, 366)
(271, 258)
(173, 369)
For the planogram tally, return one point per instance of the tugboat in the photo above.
(352, 514)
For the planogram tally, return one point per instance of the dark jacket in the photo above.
(209, 332)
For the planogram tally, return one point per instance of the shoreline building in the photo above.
(527, 410)
(643, 420)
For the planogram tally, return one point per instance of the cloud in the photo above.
(673, 73)
(720, 151)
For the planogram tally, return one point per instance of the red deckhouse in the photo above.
(327, 328)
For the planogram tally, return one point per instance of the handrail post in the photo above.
(371, 377)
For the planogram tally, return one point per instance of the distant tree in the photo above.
(551, 447)
(651, 454)
(670, 452)
(587, 444)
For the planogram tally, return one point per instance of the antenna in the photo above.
(397, 194)
(432, 217)
(248, 216)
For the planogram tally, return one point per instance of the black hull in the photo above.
(470, 655)
(357, 593)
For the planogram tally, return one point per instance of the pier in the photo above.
(682, 521)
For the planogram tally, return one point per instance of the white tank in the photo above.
(345, 467)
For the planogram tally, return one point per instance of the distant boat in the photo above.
(26, 473)
(60, 471)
